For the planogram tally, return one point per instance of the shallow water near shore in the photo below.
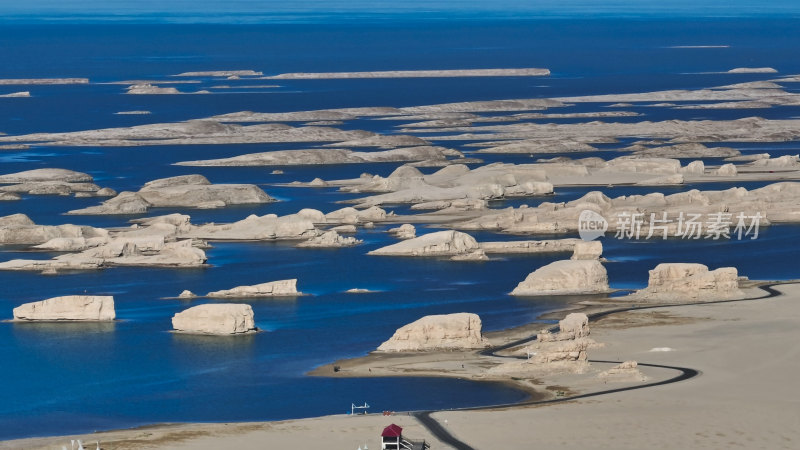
(70, 378)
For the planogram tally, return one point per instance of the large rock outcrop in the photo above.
(282, 288)
(439, 243)
(220, 319)
(330, 239)
(459, 331)
(352, 216)
(144, 251)
(553, 353)
(50, 182)
(569, 351)
(186, 191)
(41, 175)
(404, 231)
(775, 203)
(266, 227)
(452, 183)
(565, 277)
(20, 229)
(690, 282)
(589, 250)
(68, 308)
(574, 326)
(325, 156)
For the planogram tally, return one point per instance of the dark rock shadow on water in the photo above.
(204, 343)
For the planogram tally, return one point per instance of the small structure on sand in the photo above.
(392, 439)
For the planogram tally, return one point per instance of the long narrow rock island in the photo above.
(527, 72)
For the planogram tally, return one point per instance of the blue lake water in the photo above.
(70, 378)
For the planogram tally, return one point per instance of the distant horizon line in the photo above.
(340, 17)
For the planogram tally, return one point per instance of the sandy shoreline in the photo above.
(704, 412)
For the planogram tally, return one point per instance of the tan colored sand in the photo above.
(334, 432)
(746, 397)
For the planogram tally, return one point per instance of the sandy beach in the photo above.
(745, 395)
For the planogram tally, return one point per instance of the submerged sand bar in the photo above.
(529, 72)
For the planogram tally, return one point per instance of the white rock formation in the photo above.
(262, 228)
(690, 282)
(187, 191)
(39, 175)
(455, 182)
(688, 150)
(439, 243)
(446, 73)
(777, 202)
(199, 132)
(781, 162)
(20, 229)
(71, 244)
(320, 156)
(563, 351)
(590, 250)
(49, 182)
(149, 251)
(42, 81)
(186, 294)
(145, 89)
(625, 372)
(354, 216)
(68, 308)
(405, 231)
(219, 319)
(282, 288)
(172, 254)
(537, 246)
(694, 168)
(330, 239)
(222, 73)
(726, 170)
(459, 331)
(462, 204)
(574, 326)
(565, 277)
(753, 70)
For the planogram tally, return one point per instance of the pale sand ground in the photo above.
(746, 397)
(329, 432)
